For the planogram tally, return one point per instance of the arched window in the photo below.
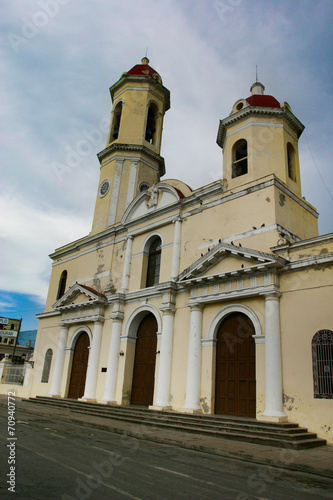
(62, 284)
(151, 123)
(116, 121)
(322, 363)
(291, 156)
(47, 366)
(239, 158)
(154, 263)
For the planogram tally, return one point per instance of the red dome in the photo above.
(266, 101)
(144, 69)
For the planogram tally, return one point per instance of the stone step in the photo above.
(284, 435)
(143, 411)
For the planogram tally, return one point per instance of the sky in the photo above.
(58, 59)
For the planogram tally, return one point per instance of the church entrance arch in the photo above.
(144, 362)
(235, 385)
(79, 367)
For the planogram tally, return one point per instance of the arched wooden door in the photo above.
(235, 390)
(79, 367)
(144, 363)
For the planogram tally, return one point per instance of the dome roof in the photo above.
(266, 101)
(144, 69)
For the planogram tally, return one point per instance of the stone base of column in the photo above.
(55, 396)
(87, 400)
(274, 417)
(111, 403)
(159, 408)
(191, 411)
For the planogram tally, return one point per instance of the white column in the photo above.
(176, 249)
(59, 363)
(162, 398)
(92, 370)
(193, 377)
(115, 192)
(273, 361)
(127, 265)
(132, 182)
(113, 359)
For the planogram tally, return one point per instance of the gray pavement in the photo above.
(318, 461)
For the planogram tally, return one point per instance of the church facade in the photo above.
(214, 300)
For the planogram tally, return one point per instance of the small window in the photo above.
(322, 362)
(151, 126)
(239, 158)
(47, 366)
(291, 156)
(116, 121)
(154, 263)
(62, 285)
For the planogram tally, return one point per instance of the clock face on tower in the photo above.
(104, 187)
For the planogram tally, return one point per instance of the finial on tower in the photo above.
(145, 59)
(257, 88)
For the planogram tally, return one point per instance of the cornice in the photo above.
(303, 244)
(126, 80)
(283, 113)
(120, 231)
(135, 148)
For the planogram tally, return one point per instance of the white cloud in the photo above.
(56, 90)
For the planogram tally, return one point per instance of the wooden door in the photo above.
(79, 367)
(144, 363)
(235, 390)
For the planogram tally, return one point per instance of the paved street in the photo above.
(56, 459)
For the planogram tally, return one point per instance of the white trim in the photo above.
(91, 278)
(117, 156)
(115, 192)
(146, 243)
(75, 334)
(132, 182)
(135, 318)
(225, 311)
(262, 124)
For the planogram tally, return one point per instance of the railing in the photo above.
(13, 374)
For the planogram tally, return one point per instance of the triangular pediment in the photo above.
(226, 260)
(79, 295)
(151, 201)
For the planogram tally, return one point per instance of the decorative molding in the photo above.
(248, 111)
(225, 311)
(135, 148)
(262, 124)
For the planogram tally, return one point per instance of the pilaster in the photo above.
(162, 399)
(59, 363)
(273, 360)
(113, 359)
(193, 377)
(92, 370)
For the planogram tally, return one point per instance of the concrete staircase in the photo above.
(281, 435)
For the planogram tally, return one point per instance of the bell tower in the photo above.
(258, 138)
(131, 161)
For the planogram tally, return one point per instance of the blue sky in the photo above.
(58, 59)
